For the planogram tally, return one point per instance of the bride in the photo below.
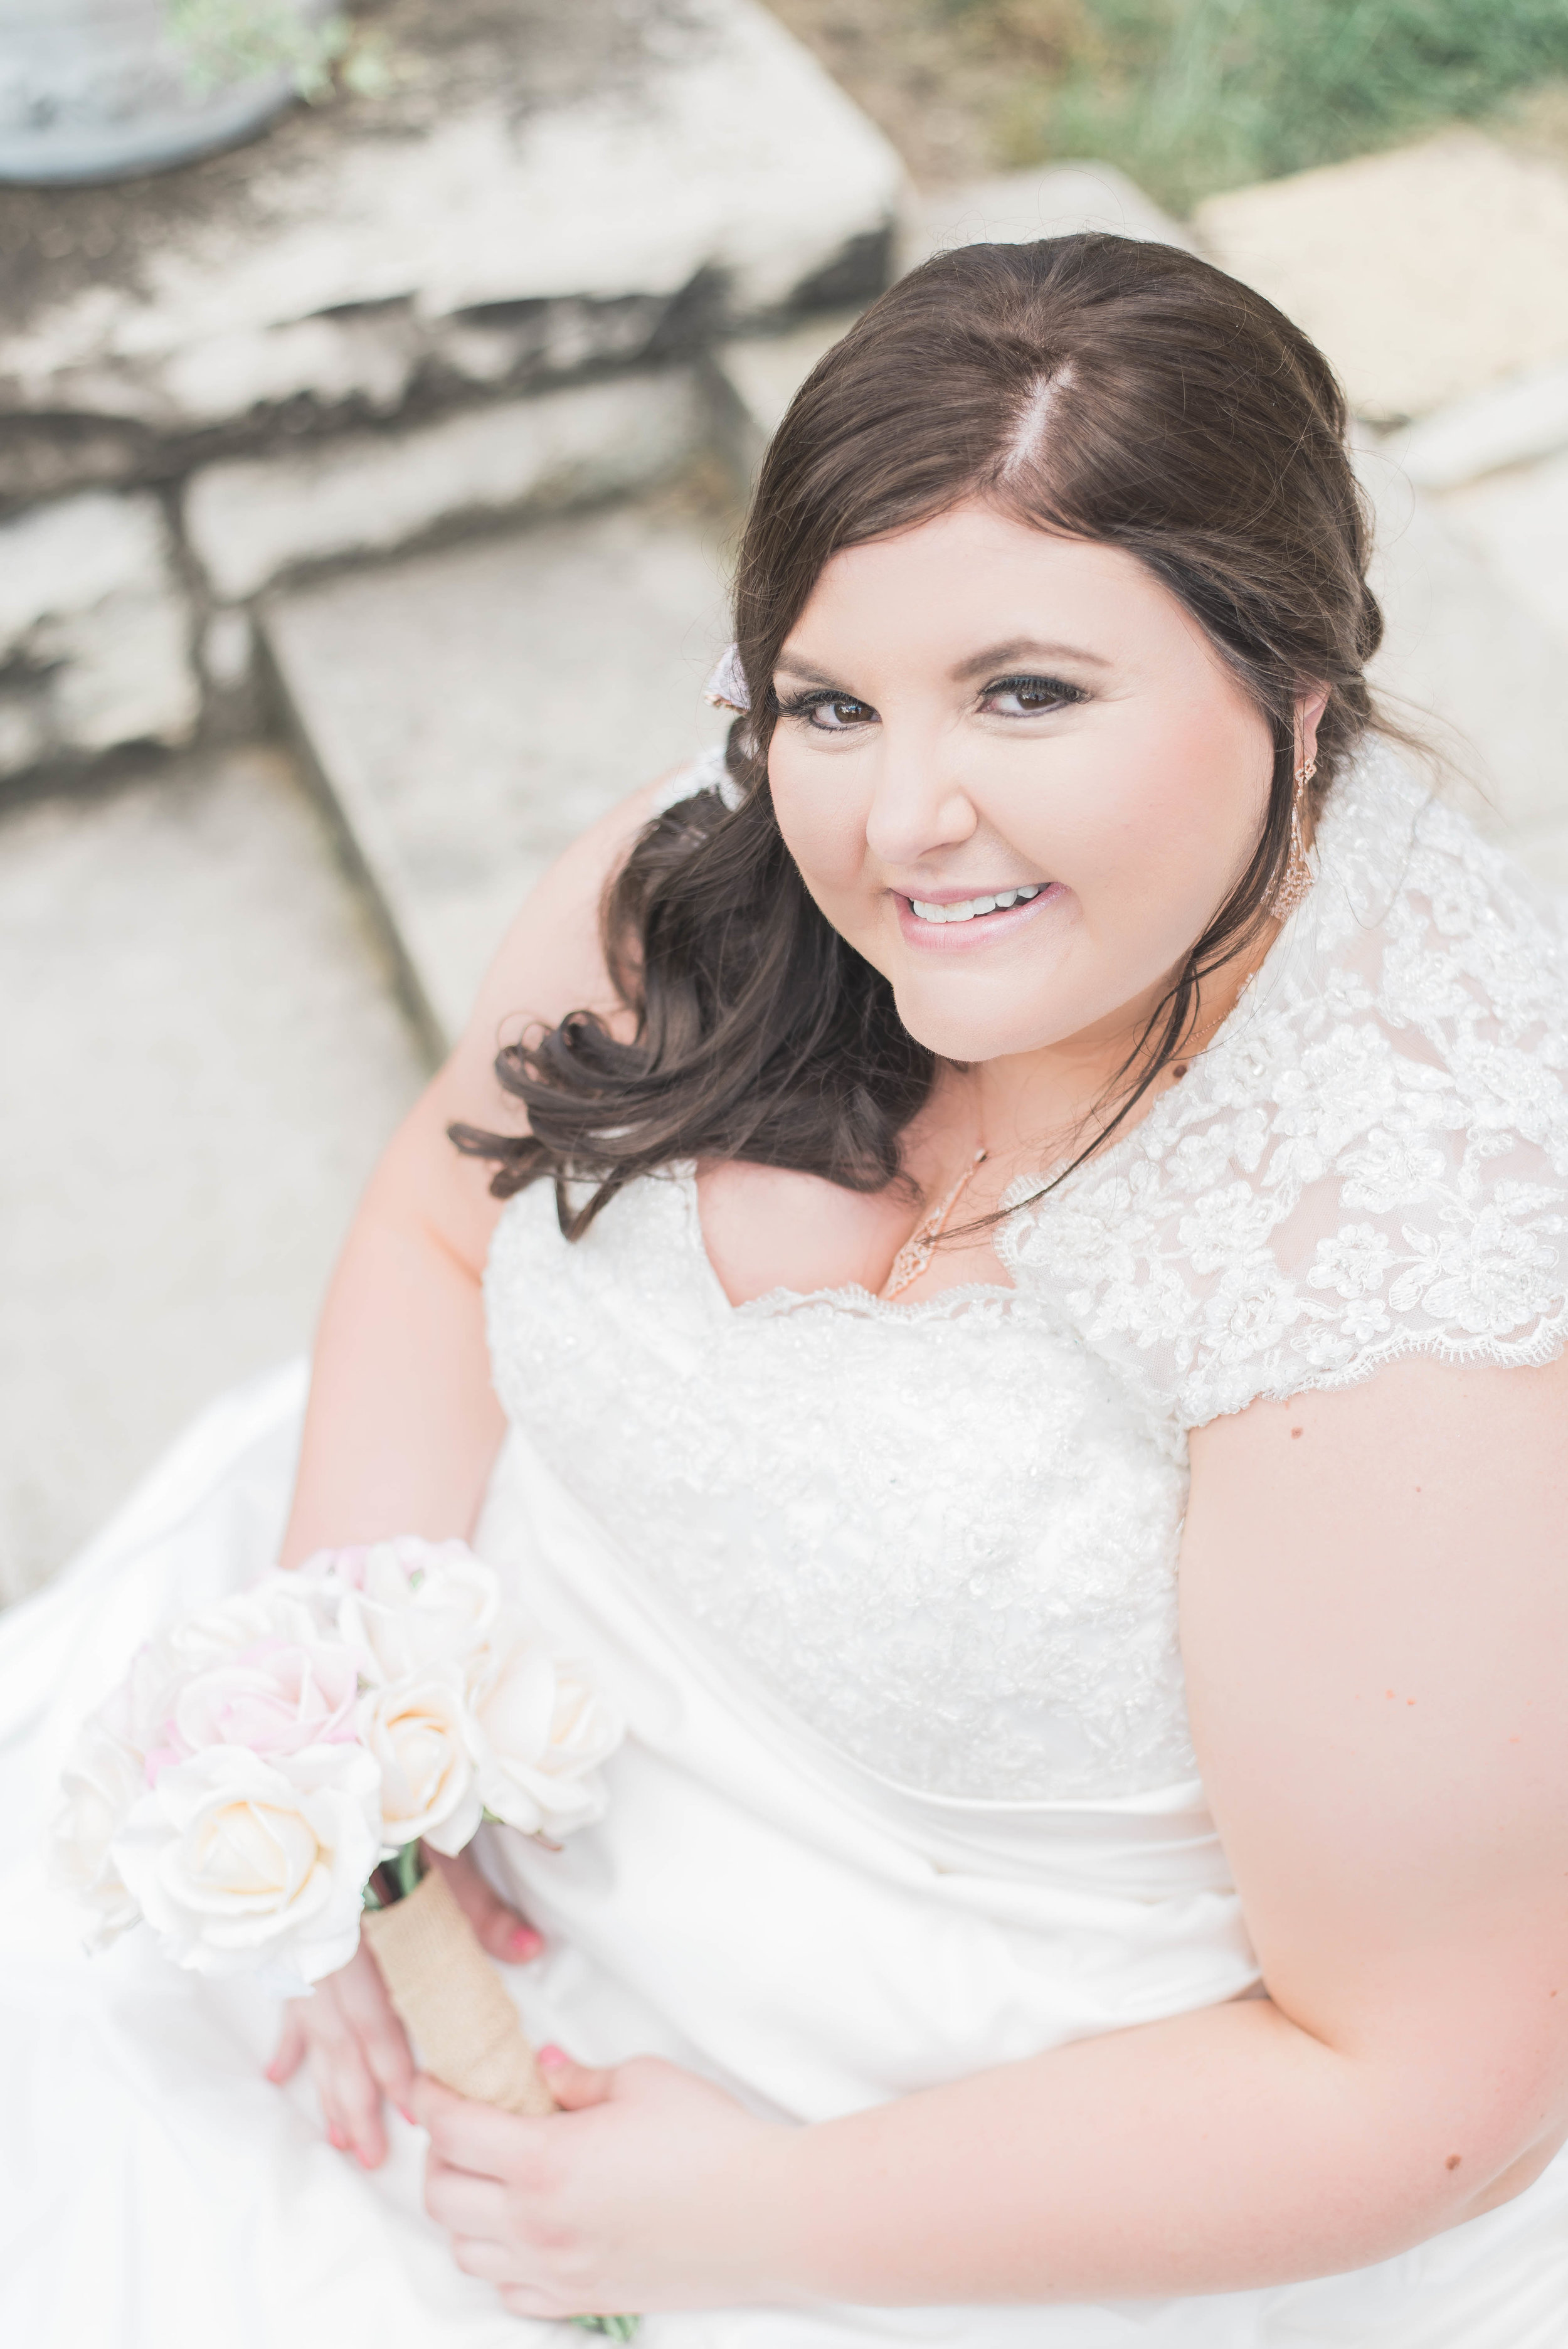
(1007, 1288)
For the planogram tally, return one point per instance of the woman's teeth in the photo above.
(967, 908)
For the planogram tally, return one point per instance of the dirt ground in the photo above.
(965, 87)
(942, 89)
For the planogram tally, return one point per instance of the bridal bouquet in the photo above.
(258, 1788)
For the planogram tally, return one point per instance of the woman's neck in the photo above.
(1029, 1110)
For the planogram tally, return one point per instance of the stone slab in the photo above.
(536, 189)
(94, 631)
(253, 519)
(1517, 522)
(1512, 423)
(471, 711)
(756, 376)
(1425, 274)
(1016, 207)
(1468, 662)
(201, 1058)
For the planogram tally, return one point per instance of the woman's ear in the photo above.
(1309, 708)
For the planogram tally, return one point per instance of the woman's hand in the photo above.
(358, 2049)
(648, 2191)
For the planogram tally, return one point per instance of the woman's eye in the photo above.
(836, 715)
(829, 713)
(1026, 697)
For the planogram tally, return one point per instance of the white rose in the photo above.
(542, 1729)
(421, 1735)
(279, 1606)
(138, 1708)
(101, 1784)
(241, 1864)
(419, 1603)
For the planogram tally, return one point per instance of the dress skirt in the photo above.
(752, 1906)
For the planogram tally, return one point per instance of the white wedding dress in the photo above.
(889, 1594)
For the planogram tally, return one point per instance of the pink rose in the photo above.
(276, 1696)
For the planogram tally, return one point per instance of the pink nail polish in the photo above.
(337, 2138)
(551, 2058)
(408, 2115)
(525, 1942)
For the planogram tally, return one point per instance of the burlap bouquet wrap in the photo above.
(452, 2003)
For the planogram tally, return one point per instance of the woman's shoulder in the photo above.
(1370, 1161)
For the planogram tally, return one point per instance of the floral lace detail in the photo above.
(937, 1532)
(706, 772)
(1370, 1159)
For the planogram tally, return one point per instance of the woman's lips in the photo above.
(981, 929)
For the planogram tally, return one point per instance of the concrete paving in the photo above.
(1424, 275)
(201, 1058)
(1470, 665)
(472, 711)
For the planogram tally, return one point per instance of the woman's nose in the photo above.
(919, 804)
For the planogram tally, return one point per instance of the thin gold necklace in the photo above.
(917, 1251)
(1196, 1041)
(921, 1246)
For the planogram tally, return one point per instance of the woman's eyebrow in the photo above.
(995, 656)
(1022, 648)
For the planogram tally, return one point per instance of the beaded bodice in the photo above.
(945, 1534)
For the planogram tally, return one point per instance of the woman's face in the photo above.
(975, 711)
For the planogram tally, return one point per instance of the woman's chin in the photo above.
(966, 1033)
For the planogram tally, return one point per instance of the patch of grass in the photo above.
(1192, 95)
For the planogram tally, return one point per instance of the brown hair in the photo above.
(1092, 386)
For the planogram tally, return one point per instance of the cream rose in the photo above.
(418, 1604)
(100, 1784)
(420, 1732)
(541, 1733)
(241, 1864)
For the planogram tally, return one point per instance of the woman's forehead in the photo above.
(983, 587)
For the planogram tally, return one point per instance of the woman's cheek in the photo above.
(824, 830)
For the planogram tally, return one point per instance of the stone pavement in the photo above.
(200, 1062)
(471, 711)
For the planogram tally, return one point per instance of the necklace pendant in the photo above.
(908, 1265)
(921, 1246)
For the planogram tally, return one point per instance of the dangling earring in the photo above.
(1295, 881)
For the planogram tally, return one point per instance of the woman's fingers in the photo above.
(356, 2101)
(288, 2052)
(368, 2013)
(499, 1929)
(357, 2052)
(575, 2086)
(462, 2203)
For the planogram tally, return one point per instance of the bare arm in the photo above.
(1376, 1630)
(1375, 1627)
(403, 1424)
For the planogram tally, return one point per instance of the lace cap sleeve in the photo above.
(1370, 1161)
